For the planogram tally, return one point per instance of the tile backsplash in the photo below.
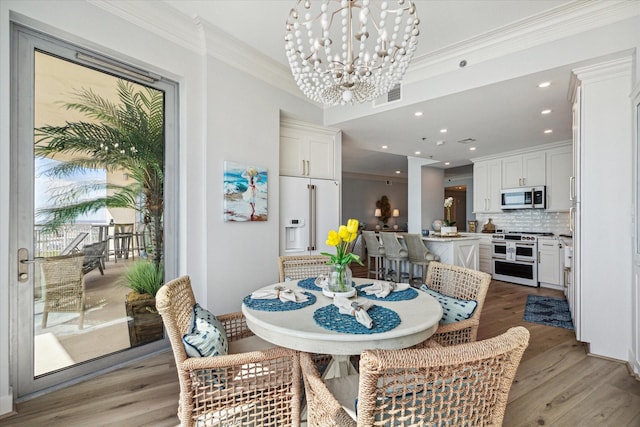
(527, 220)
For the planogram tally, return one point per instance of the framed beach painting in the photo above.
(245, 192)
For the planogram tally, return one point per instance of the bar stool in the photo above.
(396, 255)
(375, 251)
(122, 241)
(419, 255)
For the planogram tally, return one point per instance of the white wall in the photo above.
(432, 195)
(224, 115)
(360, 193)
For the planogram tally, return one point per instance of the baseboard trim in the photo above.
(6, 403)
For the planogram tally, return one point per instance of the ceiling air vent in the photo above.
(395, 94)
(466, 140)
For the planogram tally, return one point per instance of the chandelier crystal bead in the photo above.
(350, 51)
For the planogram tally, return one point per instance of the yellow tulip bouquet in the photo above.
(342, 258)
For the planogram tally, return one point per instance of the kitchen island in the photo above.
(463, 250)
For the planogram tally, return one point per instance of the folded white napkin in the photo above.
(355, 308)
(382, 289)
(282, 293)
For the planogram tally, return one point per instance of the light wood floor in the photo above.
(557, 383)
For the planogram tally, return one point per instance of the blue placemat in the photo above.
(330, 318)
(407, 294)
(310, 283)
(277, 305)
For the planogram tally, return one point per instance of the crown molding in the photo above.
(200, 36)
(527, 150)
(158, 18)
(557, 23)
(241, 56)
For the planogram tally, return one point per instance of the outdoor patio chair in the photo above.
(294, 267)
(73, 246)
(254, 384)
(63, 286)
(461, 284)
(467, 384)
(94, 256)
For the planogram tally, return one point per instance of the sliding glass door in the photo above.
(92, 198)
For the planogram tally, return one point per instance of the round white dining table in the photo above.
(297, 329)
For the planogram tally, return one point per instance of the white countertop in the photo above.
(433, 238)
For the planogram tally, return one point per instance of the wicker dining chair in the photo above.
(64, 290)
(255, 384)
(467, 384)
(294, 267)
(464, 284)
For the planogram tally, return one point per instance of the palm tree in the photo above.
(126, 136)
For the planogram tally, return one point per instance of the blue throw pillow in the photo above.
(453, 309)
(207, 336)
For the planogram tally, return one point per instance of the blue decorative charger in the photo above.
(310, 284)
(276, 305)
(407, 294)
(330, 318)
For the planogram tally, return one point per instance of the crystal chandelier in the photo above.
(340, 53)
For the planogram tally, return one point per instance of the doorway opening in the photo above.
(459, 207)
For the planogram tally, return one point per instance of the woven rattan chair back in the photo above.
(466, 385)
(253, 388)
(296, 267)
(462, 283)
(63, 286)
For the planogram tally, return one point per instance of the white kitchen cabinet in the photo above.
(487, 176)
(461, 251)
(550, 265)
(525, 170)
(306, 150)
(485, 261)
(559, 172)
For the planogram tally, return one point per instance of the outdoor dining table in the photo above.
(400, 320)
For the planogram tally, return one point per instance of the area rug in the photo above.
(548, 311)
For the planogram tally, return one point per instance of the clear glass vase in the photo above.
(340, 279)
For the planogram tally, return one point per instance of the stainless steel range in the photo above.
(515, 257)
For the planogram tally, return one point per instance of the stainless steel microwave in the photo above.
(523, 198)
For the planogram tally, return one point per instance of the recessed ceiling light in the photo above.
(443, 130)
(548, 131)
(417, 113)
(472, 148)
(384, 147)
(397, 171)
(417, 153)
(544, 84)
(547, 111)
(447, 163)
(440, 142)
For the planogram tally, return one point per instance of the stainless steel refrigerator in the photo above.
(309, 208)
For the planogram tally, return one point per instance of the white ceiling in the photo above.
(500, 117)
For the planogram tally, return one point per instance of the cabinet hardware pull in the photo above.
(572, 188)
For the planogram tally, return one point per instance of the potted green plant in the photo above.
(145, 323)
